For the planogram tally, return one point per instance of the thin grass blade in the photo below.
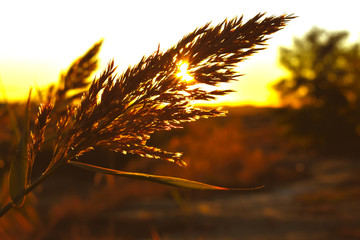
(19, 165)
(166, 180)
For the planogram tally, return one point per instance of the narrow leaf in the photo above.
(19, 164)
(172, 181)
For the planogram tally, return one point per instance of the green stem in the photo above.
(29, 189)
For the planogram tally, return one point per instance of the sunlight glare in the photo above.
(183, 72)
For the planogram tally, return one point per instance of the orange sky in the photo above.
(39, 39)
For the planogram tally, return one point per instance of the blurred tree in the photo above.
(324, 88)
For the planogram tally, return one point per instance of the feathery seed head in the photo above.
(120, 112)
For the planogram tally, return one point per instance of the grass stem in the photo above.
(29, 189)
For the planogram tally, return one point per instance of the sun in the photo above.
(183, 72)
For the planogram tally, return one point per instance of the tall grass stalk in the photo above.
(119, 112)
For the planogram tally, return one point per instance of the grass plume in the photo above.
(119, 112)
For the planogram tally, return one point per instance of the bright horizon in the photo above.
(40, 39)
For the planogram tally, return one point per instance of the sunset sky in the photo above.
(39, 39)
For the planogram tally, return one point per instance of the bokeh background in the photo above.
(293, 125)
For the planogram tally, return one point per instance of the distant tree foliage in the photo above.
(324, 83)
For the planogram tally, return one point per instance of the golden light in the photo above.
(183, 72)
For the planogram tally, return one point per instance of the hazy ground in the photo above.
(325, 205)
(306, 196)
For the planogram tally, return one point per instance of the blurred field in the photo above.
(306, 196)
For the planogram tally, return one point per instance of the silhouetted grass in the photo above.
(119, 112)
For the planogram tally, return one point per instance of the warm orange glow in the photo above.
(26, 62)
(183, 72)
